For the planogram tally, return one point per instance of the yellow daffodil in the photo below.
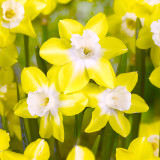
(51, 5)
(111, 104)
(151, 131)
(80, 153)
(45, 100)
(139, 149)
(8, 56)
(83, 53)
(16, 17)
(36, 150)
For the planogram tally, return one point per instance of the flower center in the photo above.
(118, 98)
(152, 2)
(86, 46)
(9, 13)
(128, 25)
(43, 101)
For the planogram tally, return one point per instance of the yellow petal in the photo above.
(120, 123)
(138, 105)
(35, 6)
(98, 24)
(50, 6)
(4, 139)
(25, 27)
(142, 149)
(73, 77)
(21, 109)
(63, 1)
(45, 130)
(32, 78)
(92, 91)
(72, 104)
(102, 73)
(98, 121)
(155, 77)
(8, 76)
(123, 154)
(80, 153)
(9, 155)
(155, 55)
(144, 40)
(67, 27)
(56, 51)
(128, 80)
(38, 150)
(52, 76)
(6, 37)
(58, 129)
(8, 56)
(110, 51)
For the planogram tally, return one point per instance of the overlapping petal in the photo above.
(112, 47)
(124, 154)
(98, 121)
(138, 105)
(128, 80)
(56, 51)
(4, 139)
(102, 73)
(32, 78)
(120, 123)
(98, 24)
(67, 27)
(72, 104)
(73, 77)
(155, 55)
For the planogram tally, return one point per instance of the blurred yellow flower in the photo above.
(80, 153)
(83, 53)
(16, 17)
(47, 101)
(51, 5)
(151, 132)
(111, 104)
(139, 149)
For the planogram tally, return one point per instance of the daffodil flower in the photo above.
(151, 132)
(16, 17)
(8, 55)
(80, 153)
(139, 149)
(83, 53)
(36, 150)
(46, 100)
(111, 104)
(51, 5)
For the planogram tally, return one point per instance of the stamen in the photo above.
(9, 13)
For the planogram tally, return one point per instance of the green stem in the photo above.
(78, 126)
(5, 123)
(108, 141)
(26, 50)
(96, 145)
(122, 66)
(44, 28)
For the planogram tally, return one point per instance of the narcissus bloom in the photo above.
(151, 132)
(45, 100)
(139, 149)
(80, 153)
(51, 5)
(8, 56)
(36, 150)
(83, 53)
(16, 17)
(111, 104)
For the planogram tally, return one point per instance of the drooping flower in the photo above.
(139, 149)
(151, 132)
(111, 104)
(80, 153)
(47, 101)
(83, 53)
(16, 17)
